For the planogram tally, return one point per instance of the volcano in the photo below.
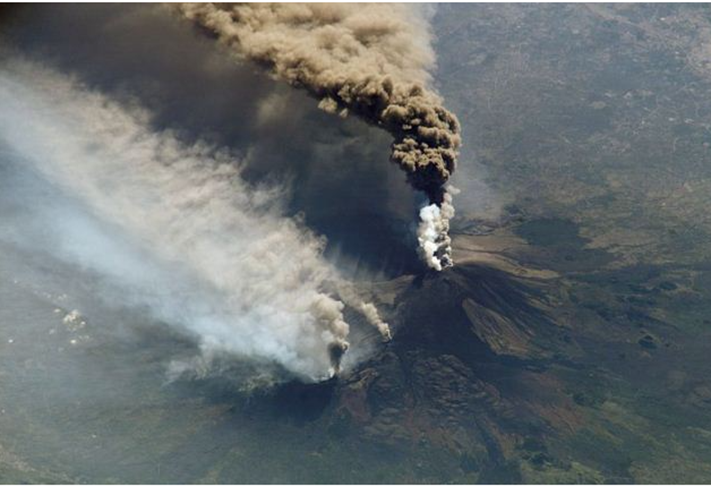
(171, 218)
(492, 376)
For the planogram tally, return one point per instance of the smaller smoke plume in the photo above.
(329, 313)
(369, 311)
(370, 60)
(371, 314)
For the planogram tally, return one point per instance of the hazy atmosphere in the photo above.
(339, 243)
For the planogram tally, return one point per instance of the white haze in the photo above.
(182, 234)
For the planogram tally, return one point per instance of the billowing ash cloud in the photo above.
(370, 60)
(182, 233)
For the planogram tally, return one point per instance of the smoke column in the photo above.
(180, 232)
(369, 311)
(370, 60)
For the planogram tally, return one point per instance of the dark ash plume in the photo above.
(369, 60)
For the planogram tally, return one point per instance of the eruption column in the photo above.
(370, 60)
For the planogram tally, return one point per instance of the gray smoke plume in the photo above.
(370, 60)
(174, 226)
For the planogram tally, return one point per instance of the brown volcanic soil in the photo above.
(494, 366)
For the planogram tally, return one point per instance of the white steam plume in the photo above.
(207, 252)
(433, 232)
